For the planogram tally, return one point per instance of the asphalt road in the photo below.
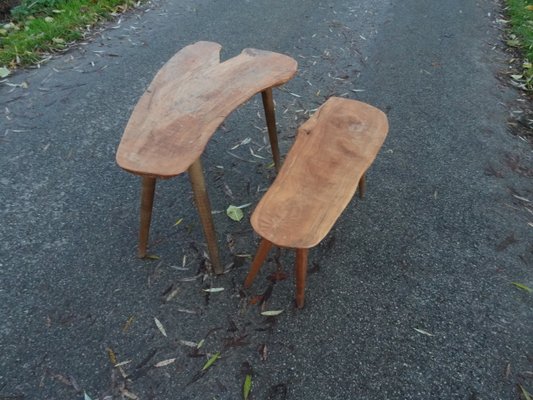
(409, 297)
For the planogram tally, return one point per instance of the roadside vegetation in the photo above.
(520, 13)
(37, 27)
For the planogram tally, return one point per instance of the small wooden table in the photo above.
(182, 108)
(322, 171)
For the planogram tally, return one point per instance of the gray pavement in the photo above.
(409, 297)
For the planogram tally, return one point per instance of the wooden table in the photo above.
(188, 99)
(322, 171)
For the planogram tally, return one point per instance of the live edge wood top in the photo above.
(332, 150)
(188, 99)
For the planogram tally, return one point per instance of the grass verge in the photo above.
(43, 26)
(520, 13)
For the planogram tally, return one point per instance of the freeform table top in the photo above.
(332, 150)
(188, 99)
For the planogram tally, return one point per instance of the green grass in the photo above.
(521, 17)
(44, 26)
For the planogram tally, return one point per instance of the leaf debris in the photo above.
(523, 287)
(271, 313)
(164, 363)
(160, 327)
(423, 332)
(211, 361)
(247, 386)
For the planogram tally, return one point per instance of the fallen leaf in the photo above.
(58, 40)
(529, 7)
(160, 327)
(214, 290)
(172, 294)
(522, 287)
(513, 42)
(235, 213)
(188, 343)
(121, 364)
(525, 393)
(164, 363)
(423, 332)
(200, 344)
(247, 387)
(211, 361)
(178, 222)
(4, 72)
(152, 257)
(127, 324)
(86, 396)
(271, 313)
(112, 356)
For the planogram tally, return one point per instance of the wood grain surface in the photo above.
(186, 102)
(332, 150)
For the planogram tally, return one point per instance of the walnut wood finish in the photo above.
(332, 151)
(188, 99)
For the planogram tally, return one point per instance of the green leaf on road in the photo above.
(525, 393)
(211, 361)
(523, 287)
(235, 213)
(4, 72)
(247, 387)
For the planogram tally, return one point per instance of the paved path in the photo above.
(411, 295)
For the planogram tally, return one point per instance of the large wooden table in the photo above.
(188, 99)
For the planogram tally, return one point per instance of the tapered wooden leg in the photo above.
(361, 186)
(196, 175)
(147, 202)
(270, 116)
(259, 259)
(301, 274)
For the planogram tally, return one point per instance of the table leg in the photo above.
(201, 199)
(270, 116)
(147, 202)
(301, 274)
(361, 186)
(259, 259)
